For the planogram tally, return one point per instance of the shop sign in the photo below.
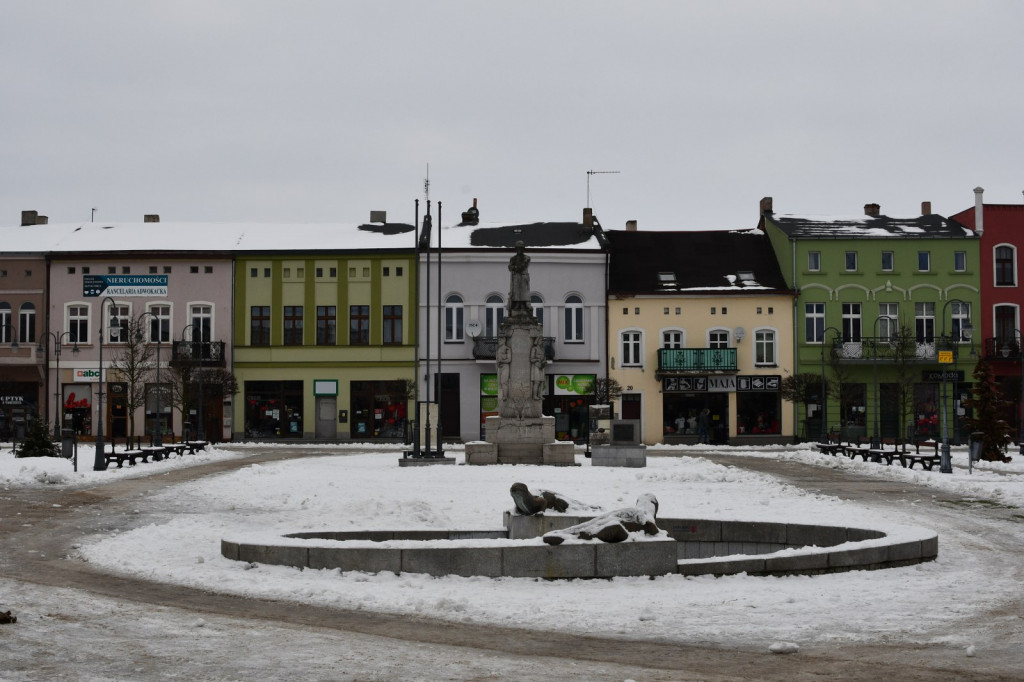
(934, 376)
(722, 384)
(758, 382)
(489, 384)
(12, 400)
(124, 285)
(87, 375)
(725, 384)
(325, 387)
(574, 384)
(684, 384)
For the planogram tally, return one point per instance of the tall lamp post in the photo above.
(824, 397)
(965, 332)
(100, 463)
(58, 399)
(200, 430)
(158, 437)
(875, 442)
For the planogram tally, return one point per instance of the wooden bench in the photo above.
(127, 454)
(926, 460)
(830, 448)
(175, 448)
(196, 445)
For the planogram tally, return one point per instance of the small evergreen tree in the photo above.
(988, 404)
(37, 441)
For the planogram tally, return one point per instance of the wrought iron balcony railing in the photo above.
(682, 360)
(486, 347)
(209, 353)
(888, 349)
(1001, 349)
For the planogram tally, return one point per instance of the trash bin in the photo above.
(976, 445)
(67, 443)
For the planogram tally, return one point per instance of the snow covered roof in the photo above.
(228, 238)
(867, 227)
(695, 262)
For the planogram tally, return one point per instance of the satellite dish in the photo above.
(473, 328)
(738, 333)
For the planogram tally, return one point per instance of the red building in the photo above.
(1000, 320)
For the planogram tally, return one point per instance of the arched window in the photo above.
(718, 338)
(27, 323)
(495, 315)
(6, 330)
(1006, 275)
(573, 331)
(537, 305)
(454, 318)
(632, 346)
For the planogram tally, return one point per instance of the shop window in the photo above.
(273, 409)
(758, 413)
(378, 409)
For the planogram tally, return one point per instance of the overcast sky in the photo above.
(315, 111)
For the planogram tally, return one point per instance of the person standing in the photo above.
(703, 423)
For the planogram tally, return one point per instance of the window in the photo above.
(718, 338)
(193, 269)
(300, 273)
(814, 323)
(111, 270)
(208, 269)
(398, 271)
(887, 261)
(631, 349)
(961, 319)
(202, 322)
(573, 319)
(319, 273)
(78, 323)
(672, 338)
(118, 316)
(85, 269)
(889, 324)
(333, 272)
(153, 269)
(764, 347)
(359, 325)
(387, 271)
(814, 261)
(167, 269)
(326, 325)
(1006, 323)
(159, 323)
(924, 261)
(924, 322)
(454, 318)
(1005, 267)
(27, 323)
(6, 330)
(537, 306)
(286, 273)
(960, 261)
(126, 270)
(850, 258)
(494, 315)
(259, 325)
(851, 322)
(293, 325)
(266, 272)
(254, 272)
(71, 269)
(392, 325)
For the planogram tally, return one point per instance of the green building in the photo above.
(885, 313)
(323, 330)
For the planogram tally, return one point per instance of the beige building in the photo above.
(700, 321)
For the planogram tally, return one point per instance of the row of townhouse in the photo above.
(333, 332)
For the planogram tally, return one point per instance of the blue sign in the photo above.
(124, 285)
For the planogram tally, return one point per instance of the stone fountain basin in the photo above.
(687, 546)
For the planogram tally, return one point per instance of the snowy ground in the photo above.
(363, 488)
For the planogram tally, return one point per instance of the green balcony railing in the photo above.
(697, 360)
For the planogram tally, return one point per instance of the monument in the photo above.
(520, 434)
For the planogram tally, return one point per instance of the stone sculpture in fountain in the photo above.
(520, 434)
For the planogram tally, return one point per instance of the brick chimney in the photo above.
(588, 217)
(630, 226)
(378, 216)
(926, 208)
(872, 210)
(151, 218)
(766, 205)
(979, 211)
(29, 217)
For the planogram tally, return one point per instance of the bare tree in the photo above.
(134, 362)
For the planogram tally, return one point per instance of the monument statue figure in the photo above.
(537, 362)
(519, 280)
(504, 360)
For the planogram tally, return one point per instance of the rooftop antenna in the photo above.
(92, 216)
(594, 172)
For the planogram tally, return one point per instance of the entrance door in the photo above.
(451, 405)
(327, 417)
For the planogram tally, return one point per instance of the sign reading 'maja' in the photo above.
(124, 285)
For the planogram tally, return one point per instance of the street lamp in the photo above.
(158, 439)
(875, 442)
(966, 331)
(200, 431)
(824, 398)
(100, 463)
(58, 407)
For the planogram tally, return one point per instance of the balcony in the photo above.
(887, 349)
(486, 347)
(675, 361)
(207, 353)
(1002, 349)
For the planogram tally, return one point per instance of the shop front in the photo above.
(757, 414)
(18, 404)
(569, 397)
(273, 409)
(379, 409)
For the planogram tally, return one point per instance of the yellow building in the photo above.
(700, 336)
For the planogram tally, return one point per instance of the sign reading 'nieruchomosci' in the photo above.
(124, 285)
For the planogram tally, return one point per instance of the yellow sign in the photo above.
(945, 357)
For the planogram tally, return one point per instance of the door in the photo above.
(451, 405)
(326, 417)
